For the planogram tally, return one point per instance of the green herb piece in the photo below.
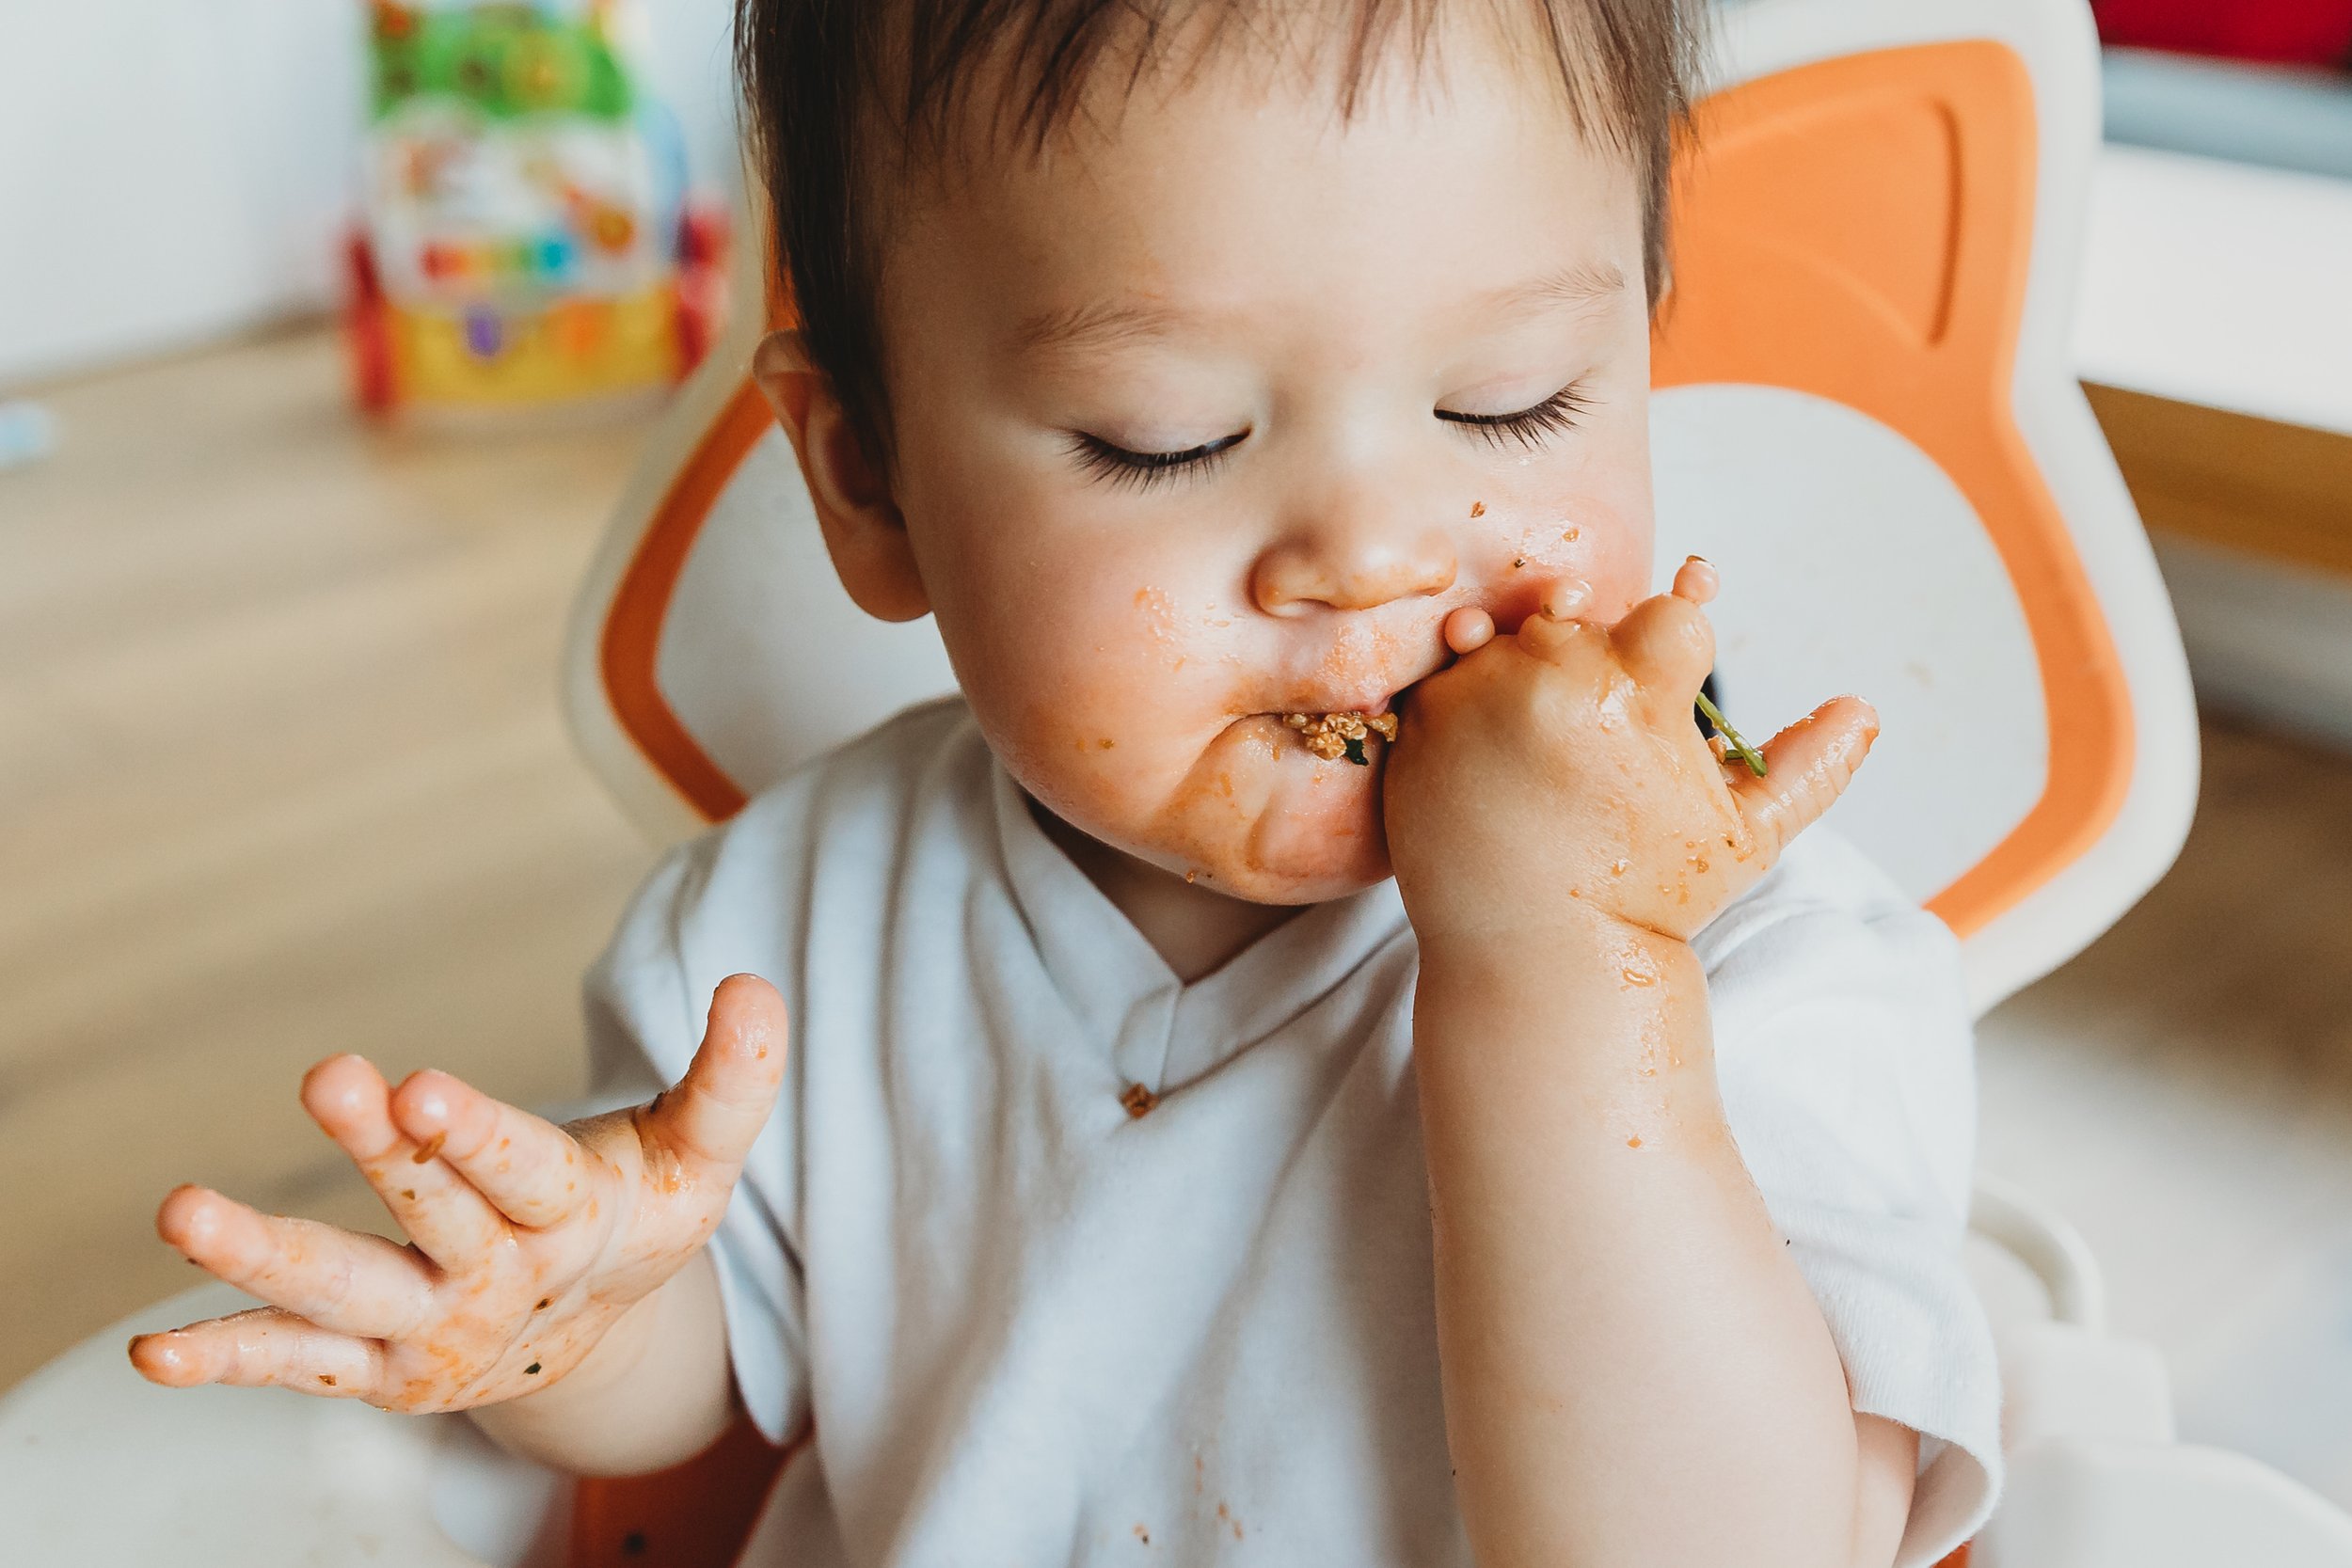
(1356, 753)
(1739, 747)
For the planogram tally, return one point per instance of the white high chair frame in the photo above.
(1864, 387)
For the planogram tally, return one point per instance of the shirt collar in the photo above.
(1102, 966)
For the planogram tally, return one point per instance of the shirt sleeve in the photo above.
(645, 1012)
(1844, 1047)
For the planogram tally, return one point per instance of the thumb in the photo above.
(715, 1112)
(1807, 766)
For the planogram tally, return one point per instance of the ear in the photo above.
(864, 532)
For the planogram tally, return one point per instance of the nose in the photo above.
(1352, 557)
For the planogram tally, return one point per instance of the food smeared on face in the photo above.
(1333, 735)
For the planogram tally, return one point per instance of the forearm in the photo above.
(656, 1391)
(1634, 1370)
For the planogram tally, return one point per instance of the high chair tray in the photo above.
(101, 1469)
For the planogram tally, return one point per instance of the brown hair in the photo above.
(822, 77)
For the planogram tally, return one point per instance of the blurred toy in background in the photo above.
(2282, 32)
(526, 233)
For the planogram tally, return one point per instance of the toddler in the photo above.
(1312, 1057)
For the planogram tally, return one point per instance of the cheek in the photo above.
(1610, 549)
(1583, 513)
(1600, 539)
(1096, 667)
(1607, 519)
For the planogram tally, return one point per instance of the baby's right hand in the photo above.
(530, 1240)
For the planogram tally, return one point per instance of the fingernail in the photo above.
(197, 1218)
(1563, 599)
(1696, 581)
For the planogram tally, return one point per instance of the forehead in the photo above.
(1241, 186)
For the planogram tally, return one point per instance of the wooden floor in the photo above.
(281, 774)
(2182, 1091)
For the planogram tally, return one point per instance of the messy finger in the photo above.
(1666, 644)
(341, 1280)
(711, 1118)
(1809, 764)
(1697, 581)
(451, 1223)
(1567, 598)
(531, 1169)
(1469, 629)
(1550, 637)
(257, 1349)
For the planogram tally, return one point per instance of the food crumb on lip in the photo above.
(1333, 735)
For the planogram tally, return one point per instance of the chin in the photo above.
(1310, 860)
(1254, 817)
(1321, 886)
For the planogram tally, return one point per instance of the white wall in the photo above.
(173, 170)
(691, 68)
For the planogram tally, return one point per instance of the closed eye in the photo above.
(1529, 427)
(1102, 460)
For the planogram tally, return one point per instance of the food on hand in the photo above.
(1728, 741)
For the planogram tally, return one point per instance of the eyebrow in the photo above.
(1100, 324)
(1106, 323)
(1578, 283)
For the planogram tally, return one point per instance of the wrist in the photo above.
(620, 1350)
(1585, 1008)
(1578, 945)
(655, 1390)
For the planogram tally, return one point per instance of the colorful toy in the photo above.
(526, 237)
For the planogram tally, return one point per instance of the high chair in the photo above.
(1863, 394)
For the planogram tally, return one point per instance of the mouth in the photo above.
(1333, 735)
(1335, 722)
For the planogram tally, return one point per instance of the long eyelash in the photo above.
(1530, 427)
(1139, 470)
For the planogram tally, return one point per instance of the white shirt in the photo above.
(1033, 1329)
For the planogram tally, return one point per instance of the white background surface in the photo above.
(1827, 527)
(174, 171)
(2219, 284)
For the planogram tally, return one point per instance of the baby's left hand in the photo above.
(1556, 773)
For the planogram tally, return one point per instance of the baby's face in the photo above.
(1217, 411)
